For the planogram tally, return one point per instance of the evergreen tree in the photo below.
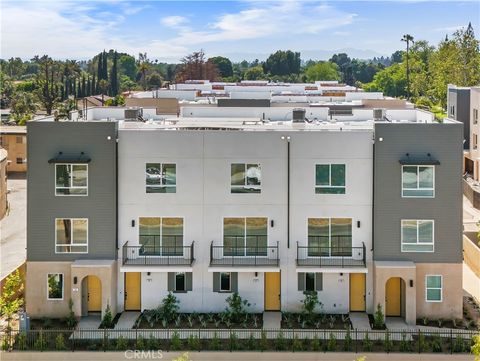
(114, 76)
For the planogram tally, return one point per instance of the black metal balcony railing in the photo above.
(158, 255)
(341, 257)
(234, 252)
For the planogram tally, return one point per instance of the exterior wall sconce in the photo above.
(148, 273)
(256, 274)
(411, 283)
(133, 223)
(272, 223)
(358, 224)
(75, 280)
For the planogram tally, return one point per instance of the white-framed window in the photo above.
(475, 141)
(452, 110)
(161, 177)
(417, 235)
(71, 235)
(330, 178)
(180, 282)
(329, 237)
(433, 288)
(418, 181)
(71, 179)
(245, 236)
(225, 281)
(55, 286)
(161, 236)
(475, 115)
(245, 178)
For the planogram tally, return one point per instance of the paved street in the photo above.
(13, 226)
(234, 356)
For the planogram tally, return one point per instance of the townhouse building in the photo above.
(14, 140)
(129, 205)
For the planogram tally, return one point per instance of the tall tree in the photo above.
(114, 76)
(408, 38)
(47, 91)
(224, 65)
(195, 67)
(282, 63)
(143, 67)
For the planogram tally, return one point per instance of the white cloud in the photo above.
(173, 21)
(449, 29)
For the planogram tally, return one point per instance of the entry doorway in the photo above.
(357, 292)
(91, 295)
(272, 291)
(133, 291)
(393, 297)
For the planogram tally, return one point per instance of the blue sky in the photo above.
(168, 30)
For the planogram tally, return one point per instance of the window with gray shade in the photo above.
(71, 235)
(245, 236)
(418, 181)
(225, 282)
(245, 178)
(55, 286)
(161, 177)
(417, 235)
(433, 289)
(330, 179)
(309, 281)
(180, 282)
(161, 236)
(329, 237)
(71, 179)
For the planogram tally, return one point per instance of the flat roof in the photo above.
(13, 129)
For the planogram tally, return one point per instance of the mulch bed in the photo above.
(318, 321)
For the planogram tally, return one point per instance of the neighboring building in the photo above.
(458, 108)
(3, 182)
(14, 140)
(363, 208)
(92, 101)
(472, 156)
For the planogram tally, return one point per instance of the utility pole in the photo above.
(408, 38)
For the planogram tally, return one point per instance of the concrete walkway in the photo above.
(127, 320)
(90, 322)
(359, 320)
(397, 323)
(272, 320)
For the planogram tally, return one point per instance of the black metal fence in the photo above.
(319, 256)
(409, 341)
(153, 254)
(235, 253)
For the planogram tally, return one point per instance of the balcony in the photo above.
(235, 253)
(331, 257)
(152, 254)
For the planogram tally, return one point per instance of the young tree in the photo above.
(10, 299)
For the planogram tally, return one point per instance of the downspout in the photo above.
(373, 192)
(116, 187)
(287, 138)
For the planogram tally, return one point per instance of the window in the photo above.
(71, 235)
(330, 179)
(308, 282)
(71, 179)
(161, 177)
(433, 290)
(55, 286)
(245, 236)
(245, 178)
(418, 181)
(225, 281)
(161, 236)
(19, 160)
(180, 282)
(20, 139)
(475, 116)
(329, 237)
(475, 141)
(417, 236)
(452, 110)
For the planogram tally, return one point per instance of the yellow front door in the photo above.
(392, 297)
(357, 292)
(272, 291)
(132, 291)
(94, 294)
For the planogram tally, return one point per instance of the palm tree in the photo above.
(143, 67)
(408, 38)
(103, 86)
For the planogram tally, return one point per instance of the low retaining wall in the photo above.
(472, 195)
(471, 253)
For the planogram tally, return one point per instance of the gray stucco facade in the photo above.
(98, 142)
(444, 143)
(458, 108)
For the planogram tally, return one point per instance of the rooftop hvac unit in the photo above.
(298, 115)
(133, 113)
(379, 114)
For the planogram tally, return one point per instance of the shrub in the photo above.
(422, 342)
(122, 344)
(5, 344)
(40, 342)
(215, 342)
(297, 344)
(315, 344)
(251, 343)
(425, 320)
(105, 341)
(233, 341)
(152, 343)
(458, 344)
(280, 342)
(404, 344)
(347, 343)
(175, 342)
(367, 343)
(475, 349)
(332, 342)
(140, 344)
(309, 303)
(263, 341)
(378, 317)
(436, 344)
(169, 308)
(193, 343)
(60, 342)
(236, 307)
(107, 321)
(22, 341)
(71, 320)
(387, 343)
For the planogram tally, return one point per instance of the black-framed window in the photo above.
(330, 179)
(180, 282)
(55, 286)
(225, 282)
(161, 177)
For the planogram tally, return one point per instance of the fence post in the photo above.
(356, 340)
(73, 341)
(451, 341)
(419, 348)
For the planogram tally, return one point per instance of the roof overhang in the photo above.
(331, 270)
(419, 159)
(70, 158)
(245, 269)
